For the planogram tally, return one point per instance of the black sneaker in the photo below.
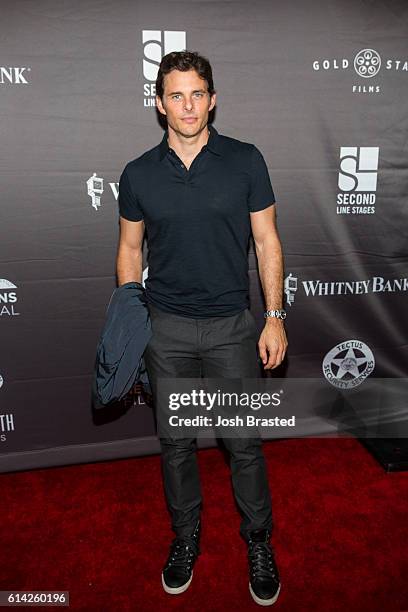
(178, 572)
(264, 584)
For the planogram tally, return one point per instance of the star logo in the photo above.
(347, 364)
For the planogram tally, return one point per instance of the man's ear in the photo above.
(213, 101)
(160, 105)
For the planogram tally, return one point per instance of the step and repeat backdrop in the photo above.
(321, 88)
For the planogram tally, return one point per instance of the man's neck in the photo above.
(187, 148)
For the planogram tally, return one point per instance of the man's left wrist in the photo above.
(278, 314)
(274, 323)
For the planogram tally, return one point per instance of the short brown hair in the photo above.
(183, 61)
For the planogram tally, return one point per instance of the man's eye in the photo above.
(198, 94)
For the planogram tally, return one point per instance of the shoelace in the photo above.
(261, 559)
(182, 552)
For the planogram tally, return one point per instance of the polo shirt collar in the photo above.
(213, 143)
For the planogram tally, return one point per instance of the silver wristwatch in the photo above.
(278, 314)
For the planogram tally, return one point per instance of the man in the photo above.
(198, 195)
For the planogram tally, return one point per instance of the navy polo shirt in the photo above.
(197, 222)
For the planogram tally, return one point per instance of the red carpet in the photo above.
(102, 532)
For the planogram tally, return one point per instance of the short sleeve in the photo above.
(129, 207)
(261, 193)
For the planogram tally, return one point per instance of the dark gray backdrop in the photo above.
(319, 87)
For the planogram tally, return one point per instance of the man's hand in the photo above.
(272, 344)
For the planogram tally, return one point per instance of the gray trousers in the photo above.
(215, 347)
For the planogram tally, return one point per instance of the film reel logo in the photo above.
(367, 63)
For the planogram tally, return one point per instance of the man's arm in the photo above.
(272, 342)
(129, 256)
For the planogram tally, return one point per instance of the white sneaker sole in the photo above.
(264, 602)
(176, 590)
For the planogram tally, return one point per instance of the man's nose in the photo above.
(188, 103)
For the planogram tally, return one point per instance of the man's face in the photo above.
(186, 102)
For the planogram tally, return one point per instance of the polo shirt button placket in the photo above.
(186, 173)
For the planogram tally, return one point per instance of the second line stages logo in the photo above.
(156, 44)
(357, 180)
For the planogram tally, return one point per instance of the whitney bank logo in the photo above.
(367, 64)
(95, 189)
(318, 288)
(156, 44)
(357, 180)
(10, 75)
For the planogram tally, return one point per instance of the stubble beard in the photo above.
(193, 134)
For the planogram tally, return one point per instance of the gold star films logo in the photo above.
(367, 64)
